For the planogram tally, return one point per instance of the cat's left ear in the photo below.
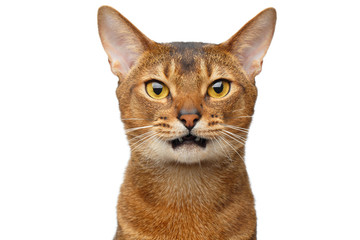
(122, 41)
(252, 41)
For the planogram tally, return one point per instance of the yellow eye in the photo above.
(219, 89)
(157, 90)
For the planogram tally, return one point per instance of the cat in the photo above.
(186, 108)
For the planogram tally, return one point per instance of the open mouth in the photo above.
(189, 139)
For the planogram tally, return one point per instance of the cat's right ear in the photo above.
(122, 41)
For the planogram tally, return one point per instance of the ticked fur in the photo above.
(190, 192)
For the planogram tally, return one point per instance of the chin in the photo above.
(186, 153)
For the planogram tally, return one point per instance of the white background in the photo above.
(63, 150)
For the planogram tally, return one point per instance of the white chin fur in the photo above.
(189, 154)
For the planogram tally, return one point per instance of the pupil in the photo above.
(218, 87)
(157, 87)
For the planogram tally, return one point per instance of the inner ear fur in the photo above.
(252, 41)
(122, 41)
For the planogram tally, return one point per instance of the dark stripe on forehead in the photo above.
(188, 63)
(166, 70)
(180, 47)
(187, 53)
(208, 69)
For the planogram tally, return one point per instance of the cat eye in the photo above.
(219, 89)
(157, 90)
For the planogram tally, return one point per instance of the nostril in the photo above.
(189, 120)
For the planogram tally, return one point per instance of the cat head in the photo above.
(186, 102)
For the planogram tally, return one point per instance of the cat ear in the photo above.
(252, 41)
(122, 41)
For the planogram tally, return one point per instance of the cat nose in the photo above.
(189, 120)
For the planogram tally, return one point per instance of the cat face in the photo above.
(185, 102)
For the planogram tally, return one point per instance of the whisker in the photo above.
(236, 128)
(150, 151)
(137, 128)
(159, 138)
(235, 135)
(232, 147)
(135, 145)
(241, 157)
(238, 117)
(226, 134)
(227, 125)
(147, 134)
(148, 138)
(223, 150)
(141, 135)
(220, 145)
(217, 143)
(126, 119)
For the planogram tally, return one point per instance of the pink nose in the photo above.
(189, 120)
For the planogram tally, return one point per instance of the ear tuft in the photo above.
(252, 41)
(122, 41)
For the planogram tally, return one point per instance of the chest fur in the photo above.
(186, 203)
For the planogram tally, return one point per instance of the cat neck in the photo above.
(181, 184)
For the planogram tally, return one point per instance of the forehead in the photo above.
(187, 55)
(187, 65)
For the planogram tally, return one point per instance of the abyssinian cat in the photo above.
(186, 108)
